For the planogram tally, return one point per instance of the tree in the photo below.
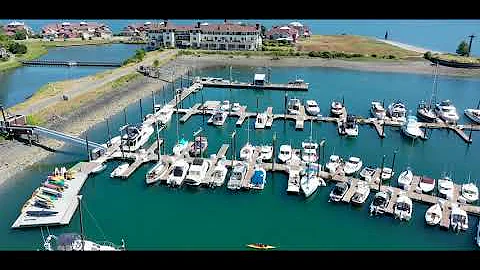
(156, 63)
(17, 48)
(427, 55)
(20, 35)
(462, 48)
(263, 30)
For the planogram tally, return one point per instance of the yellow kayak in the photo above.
(260, 246)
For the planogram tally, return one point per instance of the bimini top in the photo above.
(259, 77)
(257, 178)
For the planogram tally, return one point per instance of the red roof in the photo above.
(224, 27)
(278, 30)
(427, 180)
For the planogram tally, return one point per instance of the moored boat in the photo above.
(333, 163)
(403, 208)
(405, 179)
(380, 202)
(338, 191)
(312, 107)
(336, 109)
(258, 179)
(180, 147)
(473, 114)
(433, 214)
(427, 184)
(362, 192)
(293, 106)
(367, 173)
(447, 112)
(458, 218)
(261, 120)
(469, 192)
(377, 110)
(178, 173)
(260, 246)
(397, 111)
(155, 173)
(353, 165)
(285, 153)
(119, 170)
(199, 146)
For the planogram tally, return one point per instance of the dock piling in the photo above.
(109, 142)
(88, 151)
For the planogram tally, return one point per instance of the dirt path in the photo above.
(407, 47)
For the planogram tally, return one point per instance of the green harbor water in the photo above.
(161, 218)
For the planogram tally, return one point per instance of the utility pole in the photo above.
(470, 44)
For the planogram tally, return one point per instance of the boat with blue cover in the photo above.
(258, 179)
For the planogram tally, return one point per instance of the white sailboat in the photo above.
(427, 184)
(469, 192)
(445, 188)
(403, 208)
(362, 192)
(473, 114)
(177, 175)
(433, 214)
(333, 163)
(412, 129)
(246, 152)
(285, 153)
(425, 111)
(309, 153)
(447, 112)
(353, 165)
(397, 111)
(119, 170)
(377, 110)
(405, 179)
(261, 120)
(312, 107)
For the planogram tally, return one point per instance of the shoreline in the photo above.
(108, 104)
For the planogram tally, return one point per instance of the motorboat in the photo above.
(397, 111)
(199, 146)
(180, 147)
(119, 170)
(338, 191)
(247, 151)
(293, 181)
(353, 165)
(99, 168)
(41, 213)
(405, 179)
(380, 202)
(296, 156)
(433, 215)
(236, 107)
(225, 105)
(219, 174)
(136, 136)
(74, 242)
(285, 153)
(403, 208)
(426, 112)
(218, 118)
(258, 179)
(362, 192)
(445, 187)
(178, 173)
(473, 114)
(164, 115)
(470, 192)
(293, 106)
(427, 184)
(333, 163)
(309, 184)
(261, 120)
(237, 176)
(156, 172)
(447, 112)
(197, 171)
(266, 152)
(260, 246)
(412, 129)
(458, 218)
(377, 110)
(51, 192)
(348, 126)
(312, 107)
(387, 173)
(367, 173)
(309, 153)
(336, 109)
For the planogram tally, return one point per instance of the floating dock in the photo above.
(266, 86)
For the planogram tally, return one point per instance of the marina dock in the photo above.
(266, 86)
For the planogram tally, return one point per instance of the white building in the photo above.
(226, 36)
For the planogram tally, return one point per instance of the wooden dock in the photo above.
(351, 190)
(267, 86)
(220, 155)
(245, 183)
(190, 112)
(242, 113)
(300, 119)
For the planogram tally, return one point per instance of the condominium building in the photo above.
(223, 36)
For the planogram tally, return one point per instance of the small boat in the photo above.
(458, 218)
(338, 191)
(225, 105)
(236, 107)
(367, 173)
(293, 181)
(266, 152)
(309, 183)
(180, 147)
(197, 171)
(353, 165)
(348, 126)
(136, 136)
(433, 214)
(312, 107)
(258, 178)
(119, 170)
(426, 113)
(177, 175)
(362, 192)
(445, 188)
(377, 110)
(260, 246)
(336, 109)
(52, 186)
(397, 111)
(41, 213)
(285, 153)
(403, 208)
(100, 167)
(427, 184)
(470, 192)
(473, 114)
(309, 153)
(380, 202)
(412, 129)
(219, 174)
(199, 146)
(51, 192)
(218, 118)
(42, 204)
(447, 112)
(247, 151)
(261, 120)
(293, 106)
(405, 179)
(333, 163)
(238, 174)
(155, 173)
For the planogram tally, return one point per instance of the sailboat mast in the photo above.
(435, 89)
(248, 130)
(81, 222)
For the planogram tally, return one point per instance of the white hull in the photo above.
(246, 152)
(472, 115)
(119, 170)
(309, 185)
(145, 132)
(155, 173)
(405, 179)
(433, 215)
(219, 175)
(351, 168)
(427, 188)
(179, 148)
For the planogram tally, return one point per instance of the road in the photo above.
(407, 47)
(86, 86)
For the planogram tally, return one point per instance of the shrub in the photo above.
(357, 55)
(427, 55)
(326, 55)
(374, 55)
(17, 48)
(20, 35)
(391, 56)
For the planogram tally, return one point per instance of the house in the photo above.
(136, 30)
(3, 53)
(76, 30)
(303, 30)
(11, 28)
(222, 36)
(282, 33)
